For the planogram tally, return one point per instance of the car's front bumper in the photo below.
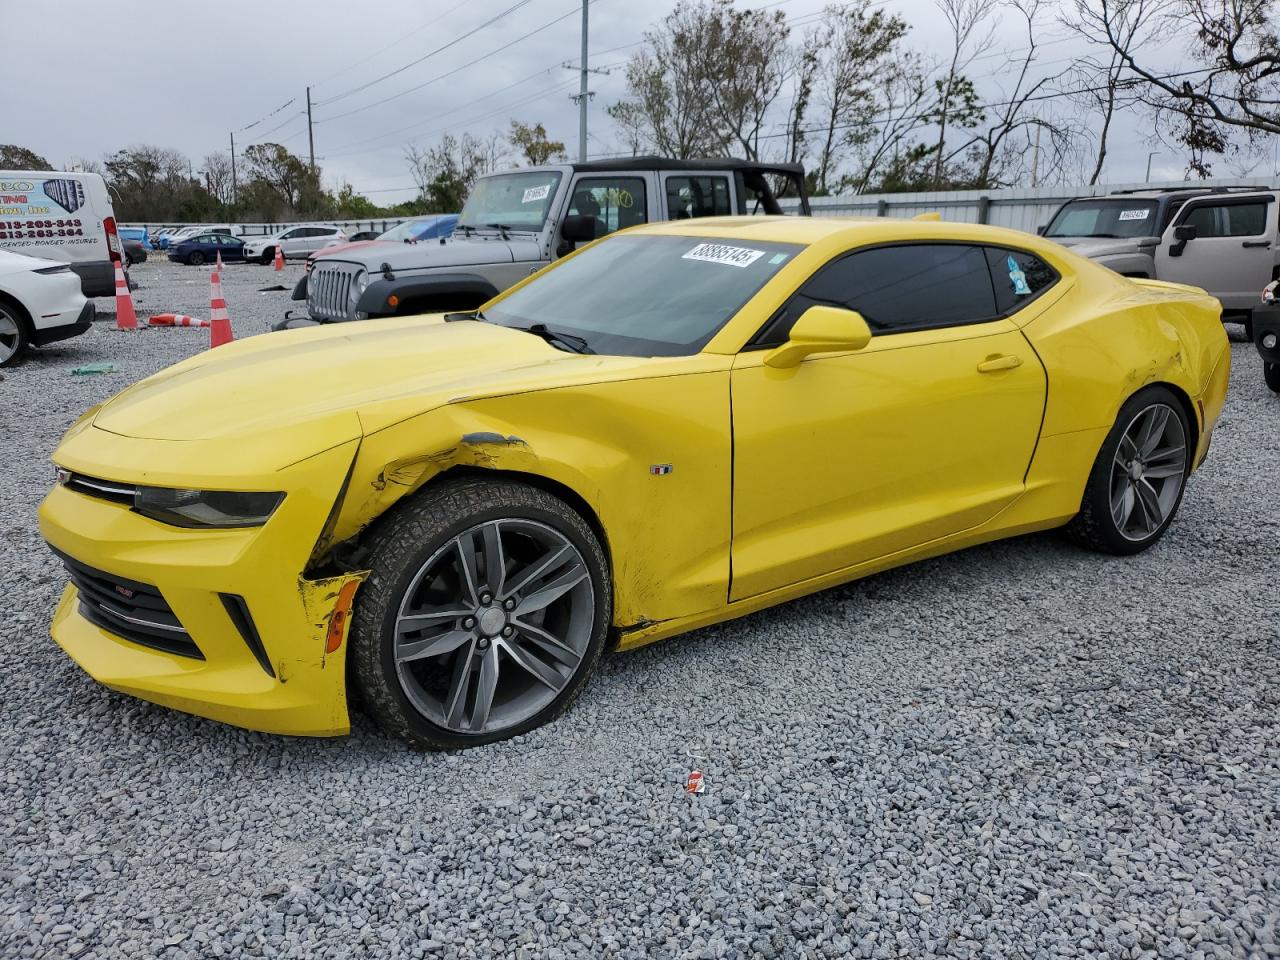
(289, 684)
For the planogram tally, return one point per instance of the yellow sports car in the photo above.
(673, 426)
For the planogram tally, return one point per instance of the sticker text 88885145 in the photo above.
(722, 253)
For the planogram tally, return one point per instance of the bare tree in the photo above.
(1012, 119)
(668, 106)
(860, 61)
(956, 94)
(217, 175)
(1102, 84)
(1236, 85)
(742, 62)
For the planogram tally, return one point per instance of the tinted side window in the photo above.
(1018, 277)
(909, 287)
(697, 197)
(1228, 219)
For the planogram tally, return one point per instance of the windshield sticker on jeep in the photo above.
(777, 258)
(719, 253)
(536, 193)
(1018, 278)
(1134, 214)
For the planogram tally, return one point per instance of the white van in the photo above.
(62, 216)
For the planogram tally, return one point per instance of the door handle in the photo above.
(1256, 243)
(1006, 362)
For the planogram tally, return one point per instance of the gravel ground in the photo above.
(1022, 750)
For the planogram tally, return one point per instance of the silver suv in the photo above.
(516, 222)
(1224, 240)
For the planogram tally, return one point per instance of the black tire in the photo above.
(268, 255)
(195, 259)
(399, 545)
(1271, 374)
(13, 342)
(1094, 526)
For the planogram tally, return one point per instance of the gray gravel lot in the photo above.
(1022, 750)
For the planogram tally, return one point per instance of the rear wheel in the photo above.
(13, 332)
(484, 614)
(1271, 374)
(196, 258)
(1136, 483)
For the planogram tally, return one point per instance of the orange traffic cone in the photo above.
(175, 320)
(219, 323)
(219, 263)
(279, 259)
(126, 318)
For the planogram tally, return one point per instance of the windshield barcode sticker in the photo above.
(536, 193)
(1134, 214)
(719, 253)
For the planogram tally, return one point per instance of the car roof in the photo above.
(852, 231)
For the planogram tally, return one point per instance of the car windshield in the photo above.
(1121, 217)
(646, 295)
(409, 230)
(519, 201)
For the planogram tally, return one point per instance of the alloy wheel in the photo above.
(493, 626)
(10, 335)
(1148, 471)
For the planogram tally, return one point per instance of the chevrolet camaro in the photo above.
(450, 517)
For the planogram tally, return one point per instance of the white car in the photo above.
(294, 241)
(40, 302)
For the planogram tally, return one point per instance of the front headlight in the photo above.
(205, 508)
(360, 286)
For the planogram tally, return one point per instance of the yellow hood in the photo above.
(391, 369)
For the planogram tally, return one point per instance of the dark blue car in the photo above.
(205, 249)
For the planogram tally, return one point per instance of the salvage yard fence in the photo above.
(1018, 208)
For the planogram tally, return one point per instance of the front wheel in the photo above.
(196, 259)
(1271, 374)
(484, 613)
(1136, 483)
(267, 256)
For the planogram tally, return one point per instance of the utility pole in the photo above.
(1035, 159)
(233, 168)
(311, 137)
(1153, 153)
(583, 95)
(582, 90)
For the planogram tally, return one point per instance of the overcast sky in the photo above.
(186, 75)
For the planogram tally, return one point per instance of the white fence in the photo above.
(1021, 209)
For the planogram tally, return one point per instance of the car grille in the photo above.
(102, 489)
(128, 609)
(329, 290)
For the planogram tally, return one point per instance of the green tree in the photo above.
(531, 140)
(295, 185)
(14, 157)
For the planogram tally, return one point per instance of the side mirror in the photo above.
(1041, 229)
(821, 330)
(579, 228)
(1181, 234)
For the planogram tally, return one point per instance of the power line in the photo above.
(413, 63)
(394, 43)
(267, 116)
(456, 70)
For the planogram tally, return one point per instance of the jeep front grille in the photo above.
(329, 290)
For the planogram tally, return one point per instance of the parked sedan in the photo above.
(40, 302)
(674, 426)
(205, 248)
